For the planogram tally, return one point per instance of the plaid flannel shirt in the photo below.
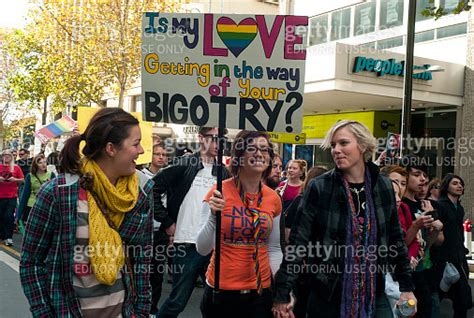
(46, 265)
(321, 220)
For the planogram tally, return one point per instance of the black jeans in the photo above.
(319, 307)
(158, 267)
(232, 304)
(7, 220)
(422, 293)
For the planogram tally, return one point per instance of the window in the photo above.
(420, 6)
(136, 103)
(319, 28)
(391, 13)
(448, 5)
(365, 18)
(323, 158)
(287, 154)
(341, 24)
(305, 152)
(424, 36)
(388, 43)
(452, 30)
(370, 45)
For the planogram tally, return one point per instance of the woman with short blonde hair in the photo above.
(365, 139)
(350, 208)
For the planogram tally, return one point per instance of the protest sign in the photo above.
(245, 70)
(393, 146)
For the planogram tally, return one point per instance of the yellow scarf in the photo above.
(105, 244)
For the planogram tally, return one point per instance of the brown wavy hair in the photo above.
(107, 125)
(34, 164)
(239, 146)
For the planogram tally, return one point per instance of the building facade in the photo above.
(355, 58)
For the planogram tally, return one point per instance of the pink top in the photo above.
(291, 192)
(9, 189)
(405, 222)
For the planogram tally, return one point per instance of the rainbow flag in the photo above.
(63, 125)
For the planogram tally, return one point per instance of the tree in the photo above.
(31, 81)
(21, 130)
(96, 44)
(8, 102)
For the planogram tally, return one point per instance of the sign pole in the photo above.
(408, 79)
(217, 248)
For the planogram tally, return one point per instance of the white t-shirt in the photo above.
(190, 217)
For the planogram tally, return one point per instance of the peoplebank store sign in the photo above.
(387, 67)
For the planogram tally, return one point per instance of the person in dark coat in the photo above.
(347, 225)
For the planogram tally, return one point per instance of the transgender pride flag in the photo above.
(63, 125)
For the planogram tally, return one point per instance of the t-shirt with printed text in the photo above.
(237, 242)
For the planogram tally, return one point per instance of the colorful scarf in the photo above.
(359, 278)
(256, 226)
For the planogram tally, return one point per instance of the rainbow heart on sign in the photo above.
(236, 36)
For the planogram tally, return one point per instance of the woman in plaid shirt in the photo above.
(88, 242)
(347, 225)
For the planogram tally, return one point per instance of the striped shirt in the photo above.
(96, 299)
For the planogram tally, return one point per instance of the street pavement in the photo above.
(14, 304)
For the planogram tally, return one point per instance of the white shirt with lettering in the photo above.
(189, 220)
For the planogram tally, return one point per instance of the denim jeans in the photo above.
(7, 220)
(187, 265)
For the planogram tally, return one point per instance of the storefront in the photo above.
(348, 82)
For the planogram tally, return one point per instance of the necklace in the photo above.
(357, 192)
(251, 197)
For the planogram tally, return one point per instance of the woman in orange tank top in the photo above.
(248, 209)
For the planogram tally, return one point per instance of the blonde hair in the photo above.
(361, 132)
(12, 163)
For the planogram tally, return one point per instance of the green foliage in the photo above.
(15, 129)
(438, 12)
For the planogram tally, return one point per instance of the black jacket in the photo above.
(176, 180)
(452, 250)
(321, 219)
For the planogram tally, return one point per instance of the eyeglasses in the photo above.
(253, 149)
(437, 186)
